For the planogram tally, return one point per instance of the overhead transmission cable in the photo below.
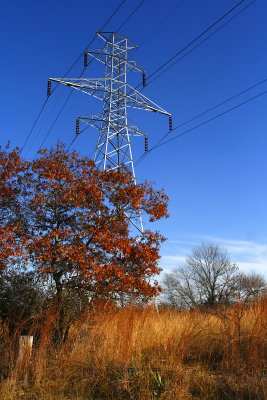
(211, 109)
(215, 117)
(62, 108)
(160, 23)
(200, 43)
(55, 120)
(34, 124)
(90, 43)
(188, 52)
(196, 38)
(193, 41)
(69, 69)
(159, 144)
(190, 43)
(130, 16)
(118, 29)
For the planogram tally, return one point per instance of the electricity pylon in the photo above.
(113, 148)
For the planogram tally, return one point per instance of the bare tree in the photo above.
(252, 285)
(207, 278)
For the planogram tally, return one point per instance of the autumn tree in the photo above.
(72, 222)
(11, 170)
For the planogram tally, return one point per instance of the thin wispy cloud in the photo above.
(248, 255)
(238, 246)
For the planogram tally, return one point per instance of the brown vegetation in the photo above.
(141, 353)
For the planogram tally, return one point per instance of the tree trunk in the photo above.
(24, 357)
(61, 333)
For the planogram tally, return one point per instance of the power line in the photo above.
(213, 108)
(161, 22)
(199, 125)
(196, 46)
(118, 29)
(76, 136)
(55, 120)
(216, 116)
(130, 16)
(91, 41)
(34, 124)
(195, 39)
(70, 68)
(127, 19)
(188, 52)
(71, 143)
(123, 23)
(201, 42)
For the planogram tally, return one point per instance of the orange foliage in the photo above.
(70, 222)
(10, 174)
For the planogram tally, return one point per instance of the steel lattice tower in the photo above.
(113, 147)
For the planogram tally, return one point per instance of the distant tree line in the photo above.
(209, 278)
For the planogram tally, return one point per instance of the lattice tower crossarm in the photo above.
(113, 147)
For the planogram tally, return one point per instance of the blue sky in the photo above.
(216, 175)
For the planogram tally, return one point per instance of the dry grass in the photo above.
(142, 354)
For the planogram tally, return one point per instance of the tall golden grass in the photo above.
(144, 354)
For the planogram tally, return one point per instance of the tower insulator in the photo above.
(144, 79)
(77, 126)
(48, 88)
(146, 144)
(170, 123)
(85, 60)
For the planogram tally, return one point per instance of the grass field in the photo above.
(144, 354)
